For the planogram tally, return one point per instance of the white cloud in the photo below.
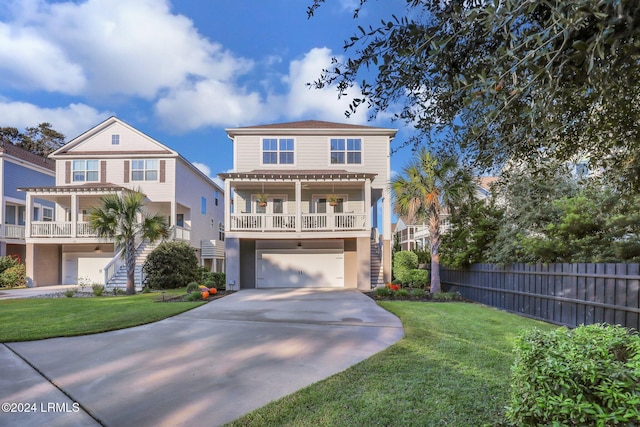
(322, 104)
(205, 169)
(70, 121)
(209, 103)
(28, 60)
(107, 47)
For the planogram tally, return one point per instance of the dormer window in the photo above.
(277, 151)
(346, 151)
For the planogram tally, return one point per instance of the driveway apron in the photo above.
(204, 367)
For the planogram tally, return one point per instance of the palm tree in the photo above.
(428, 185)
(121, 218)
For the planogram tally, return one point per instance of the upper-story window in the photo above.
(115, 139)
(346, 151)
(85, 170)
(144, 170)
(215, 202)
(277, 151)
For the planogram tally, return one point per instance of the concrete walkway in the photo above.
(34, 292)
(204, 367)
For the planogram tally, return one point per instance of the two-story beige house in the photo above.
(302, 206)
(114, 157)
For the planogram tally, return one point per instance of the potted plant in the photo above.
(261, 199)
(333, 200)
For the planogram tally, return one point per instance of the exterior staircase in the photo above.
(119, 280)
(377, 278)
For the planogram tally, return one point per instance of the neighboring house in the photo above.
(305, 206)
(113, 157)
(416, 236)
(19, 167)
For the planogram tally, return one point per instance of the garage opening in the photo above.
(287, 268)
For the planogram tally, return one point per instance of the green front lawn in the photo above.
(452, 368)
(35, 318)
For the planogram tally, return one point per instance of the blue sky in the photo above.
(179, 70)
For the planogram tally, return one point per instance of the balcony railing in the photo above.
(287, 222)
(60, 229)
(11, 231)
(180, 233)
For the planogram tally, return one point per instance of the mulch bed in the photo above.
(178, 298)
(426, 298)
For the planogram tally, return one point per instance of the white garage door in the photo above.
(300, 268)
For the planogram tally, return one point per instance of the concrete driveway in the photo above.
(204, 367)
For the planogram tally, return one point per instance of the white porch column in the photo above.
(74, 215)
(367, 203)
(28, 213)
(298, 206)
(386, 234)
(227, 205)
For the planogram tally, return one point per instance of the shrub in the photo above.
(14, 276)
(69, 293)
(193, 296)
(97, 290)
(146, 290)
(192, 287)
(7, 262)
(220, 281)
(383, 292)
(171, 265)
(586, 376)
(445, 296)
(402, 293)
(403, 262)
(417, 278)
(416, 293)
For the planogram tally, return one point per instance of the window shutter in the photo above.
(67, 172)
(103, 171)
(163, 165)
(126, 171)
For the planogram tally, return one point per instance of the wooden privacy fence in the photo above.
(567, 294)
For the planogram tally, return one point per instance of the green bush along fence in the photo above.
(565, 294)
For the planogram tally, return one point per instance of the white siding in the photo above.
(313, 152)
(191, 187)
(130, 141)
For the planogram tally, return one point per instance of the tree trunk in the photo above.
(130, 257)
(434, 241)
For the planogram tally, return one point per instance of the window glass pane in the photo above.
(339, 208)
(92, 165)
(321, 206)
(151, 175)
(115, 139)
(151, 164)
(137, 164)
(337, 158)
(137, 175)
(260, 209)
(78, 165)
(286, 144)
(269, 158)
(92, 176)
(337, 144)
(286, 158)
(278, 206)
(269, 144)
(78, 176)
(353, 144)
(353, 157)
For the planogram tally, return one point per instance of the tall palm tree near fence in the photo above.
(428, 185)
(123, 219)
